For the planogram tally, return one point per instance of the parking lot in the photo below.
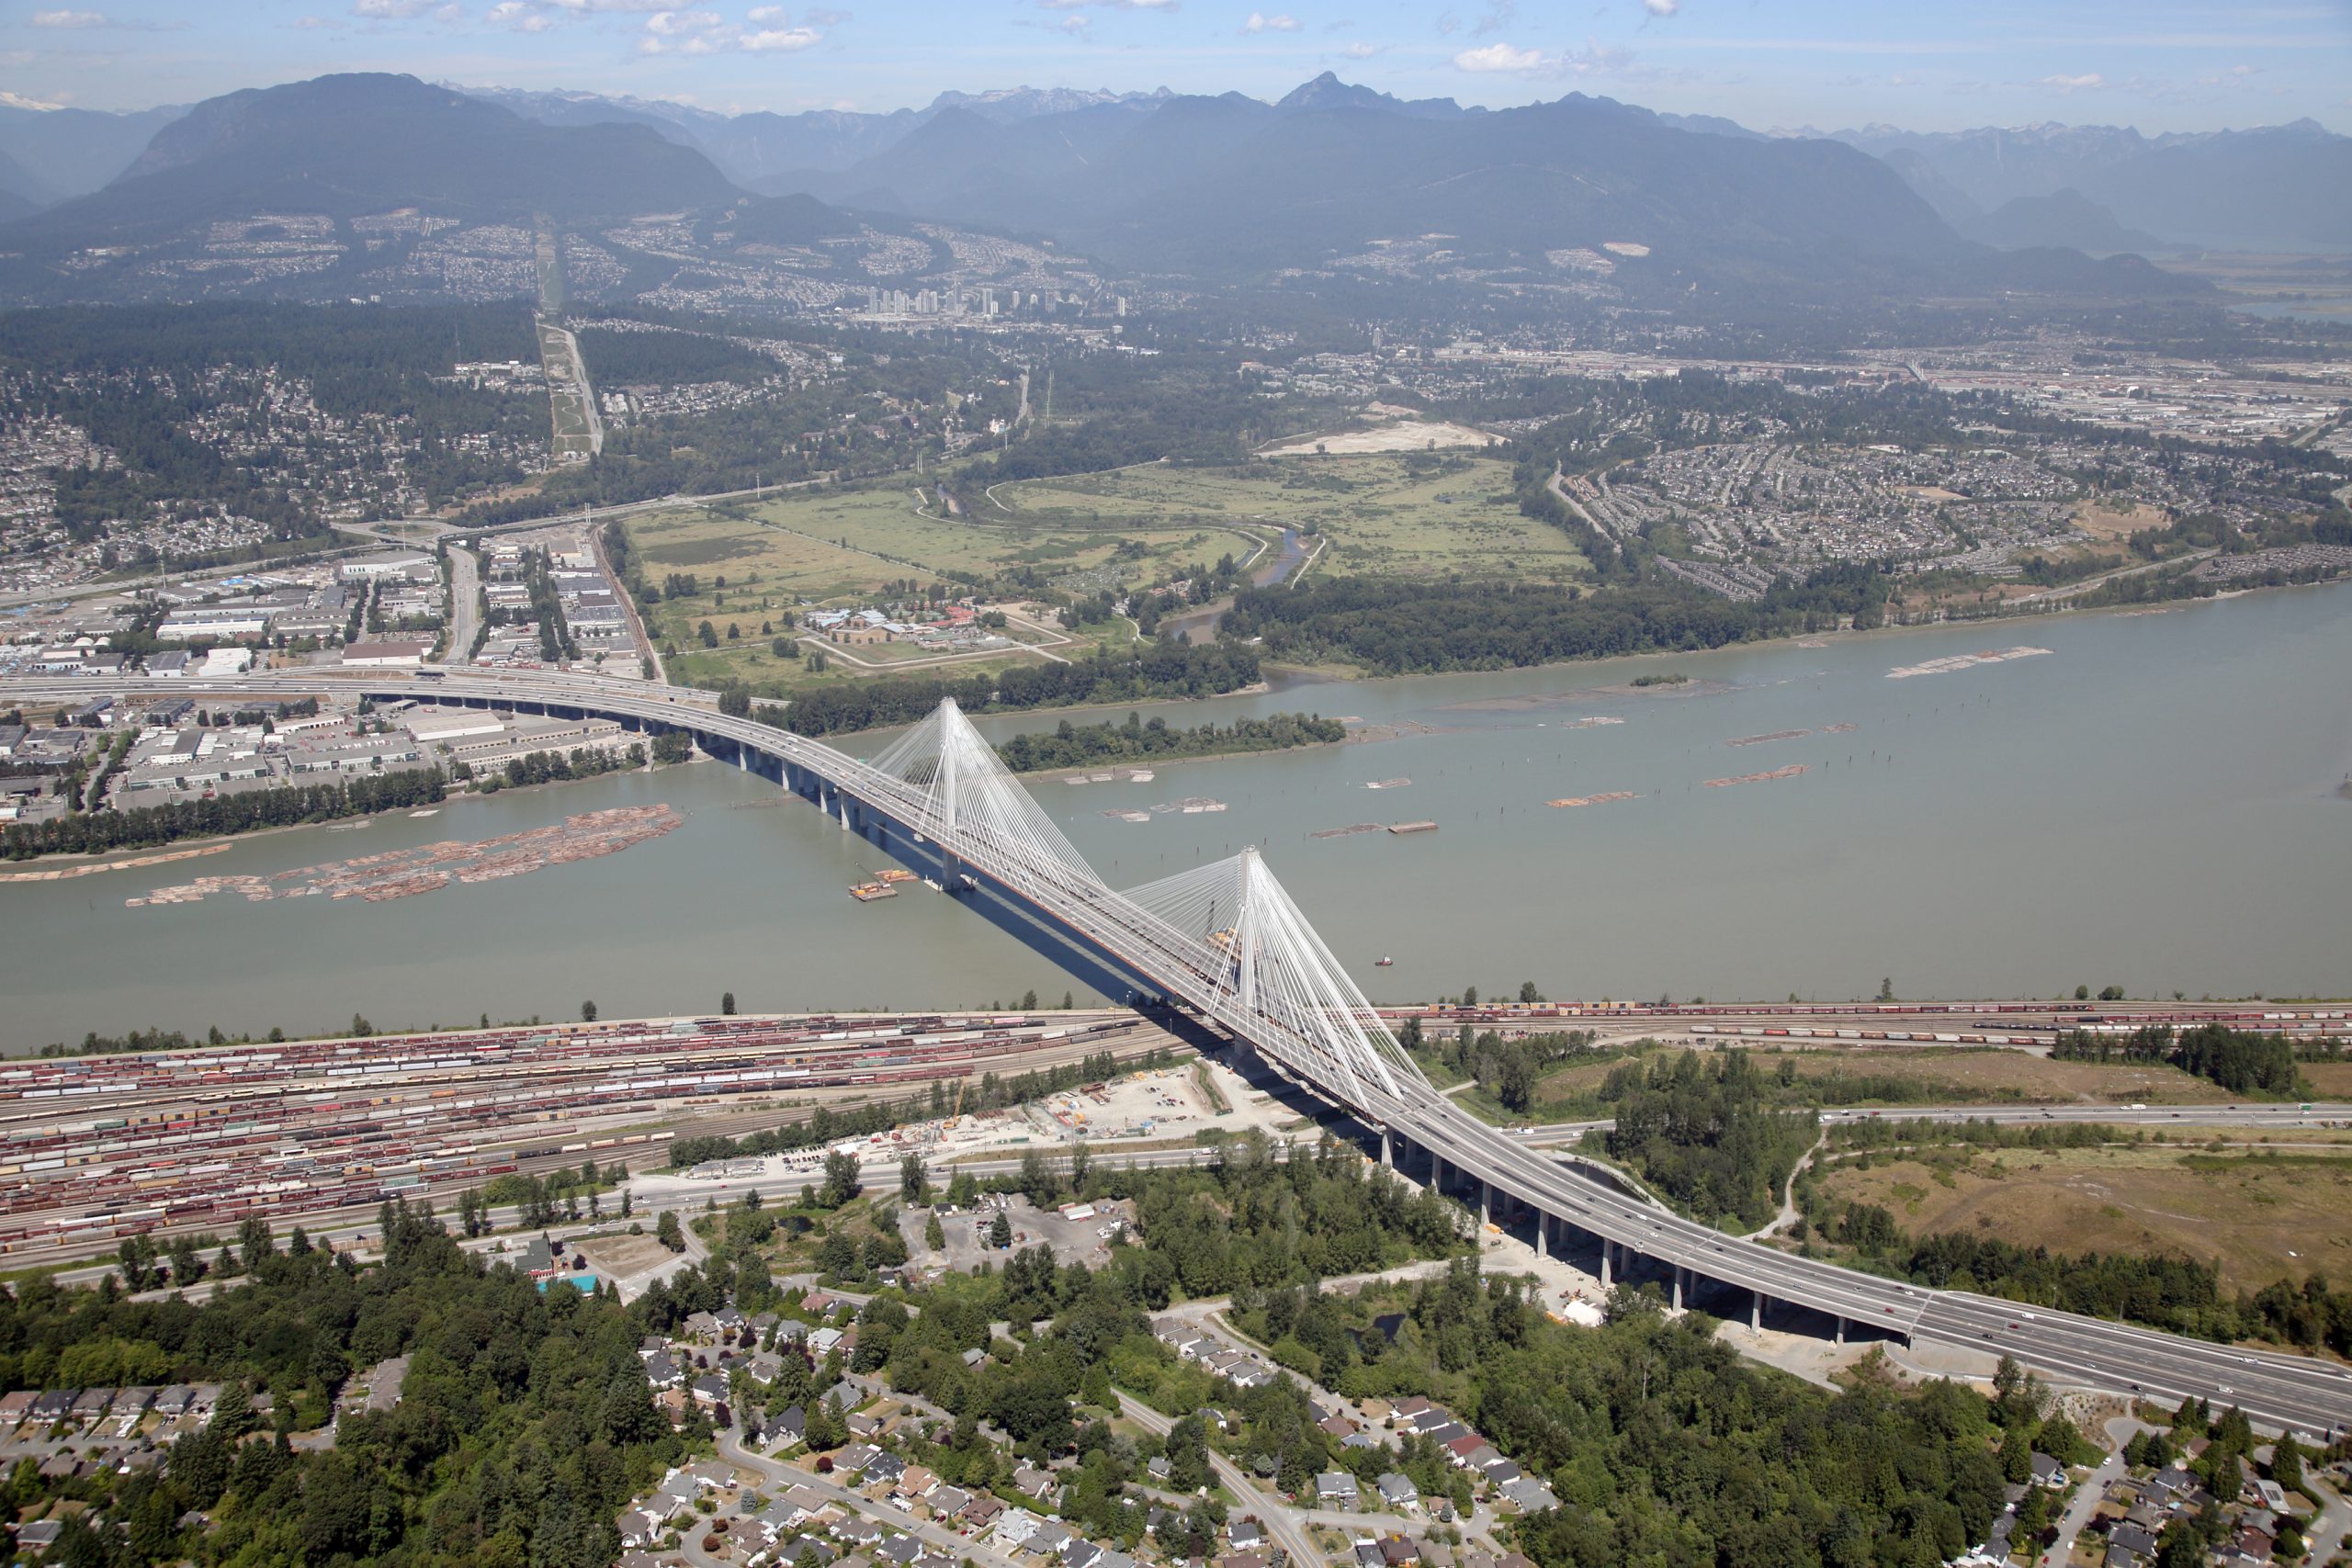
(1085, 1240)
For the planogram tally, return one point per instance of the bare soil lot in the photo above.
(618, 1256)
(1403, 435)
(1073, 1241)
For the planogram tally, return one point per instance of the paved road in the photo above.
(465, 613)
(1279, 1517)
(2325, 1538)
(778, 1475)
(2078, 1516)
(998, 864)
(2260, 1115)
(2074, 590)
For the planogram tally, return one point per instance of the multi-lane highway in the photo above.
(2294, 1391)
(1076, 908)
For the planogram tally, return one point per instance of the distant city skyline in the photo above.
(1935, 65)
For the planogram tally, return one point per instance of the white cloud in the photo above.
(706, 32)
(1360, 50)
(18, 100)
(68, 20)
(1661, 7)
(764, 14)
(1500, 57)
(2088, 82)
(392, 10)
(1595, 59)
(1259, 22)
(587, 5)
(780, 41)
(517, 15)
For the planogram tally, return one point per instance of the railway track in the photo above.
(93, 1150)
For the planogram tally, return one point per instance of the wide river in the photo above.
(2153, 803)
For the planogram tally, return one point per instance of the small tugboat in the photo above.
(1384, 962)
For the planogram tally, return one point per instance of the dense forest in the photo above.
(1394, 628)
(621, 357)
(1698, 1127)
(1141, 740)
(1151, 670)
(94, 832)
(1664, 1447)
(1112, 411)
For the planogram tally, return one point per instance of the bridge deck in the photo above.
(2289, 1392)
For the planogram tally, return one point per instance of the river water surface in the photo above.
(2154, 802)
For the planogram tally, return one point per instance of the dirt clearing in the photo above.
(1403, 435)
(618, 1256)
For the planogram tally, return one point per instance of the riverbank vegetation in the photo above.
(1147, 672)
(1141, 740)
(95, 832)
(1393, 628)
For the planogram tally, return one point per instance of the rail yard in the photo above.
(96, 1148)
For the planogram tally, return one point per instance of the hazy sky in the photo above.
(1930, 64)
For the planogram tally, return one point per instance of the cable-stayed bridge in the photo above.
(1228, 945)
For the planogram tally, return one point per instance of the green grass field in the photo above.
(1380, 516)
(1384, 515)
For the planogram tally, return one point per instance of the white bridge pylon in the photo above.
(971, 796)
(1224, 937)
(1271, 967)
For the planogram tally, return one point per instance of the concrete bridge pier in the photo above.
(1755, 1311)
(1542, 1233)
(1841, 1337)
(1388, 1156)
(1608, 1261)
(1486, 1203)
(1678, 1287)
